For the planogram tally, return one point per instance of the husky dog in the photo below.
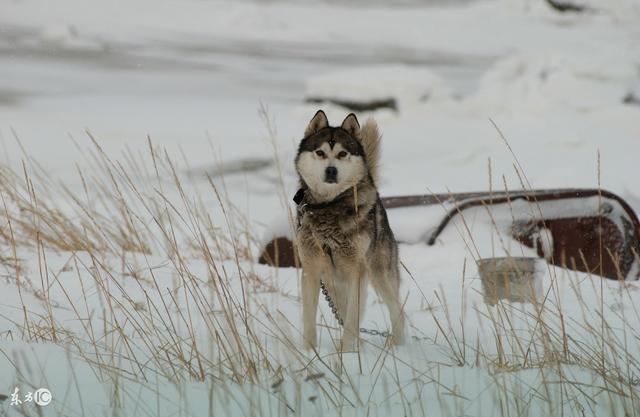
(343, 235)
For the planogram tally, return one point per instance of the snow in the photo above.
(538, 82)
(406, 86)
(190, 77)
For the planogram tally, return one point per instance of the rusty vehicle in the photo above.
(589, 230)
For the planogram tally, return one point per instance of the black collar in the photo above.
(300, 194)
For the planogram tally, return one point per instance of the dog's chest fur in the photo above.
(337, 226)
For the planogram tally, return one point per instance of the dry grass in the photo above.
(160, 285)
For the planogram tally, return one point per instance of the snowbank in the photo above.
(401, 86)
(536, 82)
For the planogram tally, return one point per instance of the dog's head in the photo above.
(331, 159)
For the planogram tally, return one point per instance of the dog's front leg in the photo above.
(357, 291)
(311, 275)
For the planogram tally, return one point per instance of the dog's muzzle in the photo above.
(331, 175)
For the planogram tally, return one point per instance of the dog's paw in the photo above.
(398, 339)
(348, 343)
(309, 343)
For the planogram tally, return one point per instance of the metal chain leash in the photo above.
(334, 310)
(372, 332)
(332, 305)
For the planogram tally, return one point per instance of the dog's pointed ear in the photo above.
(351, 125)
(318, 122)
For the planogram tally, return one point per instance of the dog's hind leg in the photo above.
(387, 285)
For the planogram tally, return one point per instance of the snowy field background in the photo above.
(128, 277)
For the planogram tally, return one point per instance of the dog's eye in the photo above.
(321, 154)
(342, 154)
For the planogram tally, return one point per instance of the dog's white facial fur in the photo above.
(312, 166)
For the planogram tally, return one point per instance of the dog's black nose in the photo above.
(331, 174)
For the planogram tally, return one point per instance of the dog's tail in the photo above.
(370, 139)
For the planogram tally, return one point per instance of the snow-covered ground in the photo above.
(143, 297)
